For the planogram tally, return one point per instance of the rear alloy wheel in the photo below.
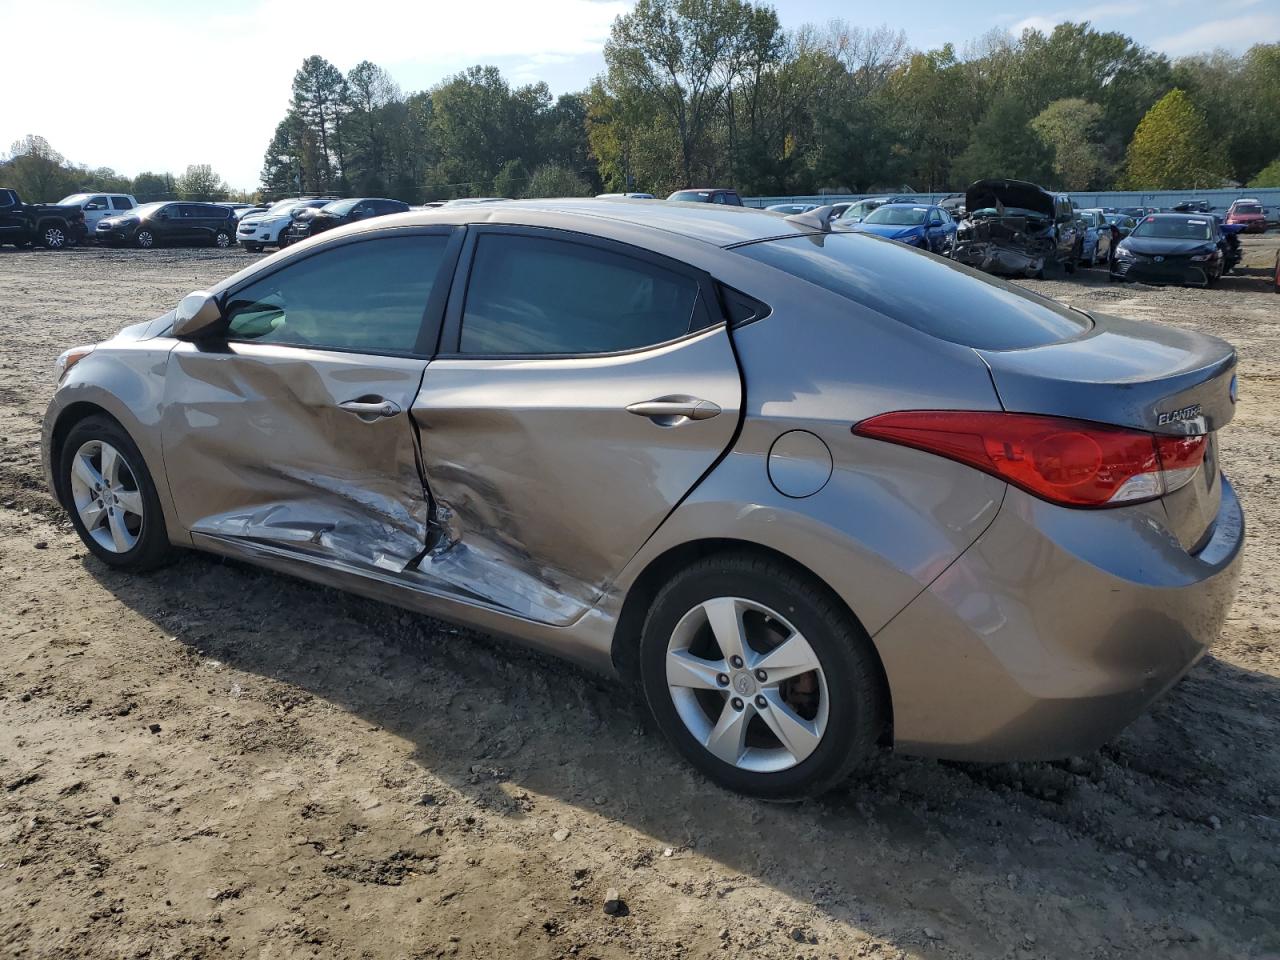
(145, 239)
(222, 239)
(111, 496)
(760, 678)
(53, 237)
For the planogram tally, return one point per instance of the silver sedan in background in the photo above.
(819, 494)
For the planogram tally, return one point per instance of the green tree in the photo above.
(38, 172)
(682, 55)
(1268, 176)
(1172, 150)
(320, 103)
(512, 180)
(552, 180)
(1004, 145)
(199, 182)
(149, 186)
(1070, 129)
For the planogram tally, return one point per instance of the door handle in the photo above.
(370, 410)
(668, 411)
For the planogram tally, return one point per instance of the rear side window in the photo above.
(366, 296)
(121, 203)
(530, 295)
(941, 299)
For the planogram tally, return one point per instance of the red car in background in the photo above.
(1248, 213)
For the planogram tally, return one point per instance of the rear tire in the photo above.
(222, 239)
(110, 496)
(822, 693)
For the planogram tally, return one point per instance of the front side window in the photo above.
(530, 295)
(96, 203)
(361, 296)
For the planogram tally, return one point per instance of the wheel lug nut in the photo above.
(722, 679)
(761, 676)
(736, 661)
(761, 702)
(737, 703)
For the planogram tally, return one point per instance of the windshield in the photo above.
(74, 200)
(898, 216)
(281, 206)
(340, 208)
(1247, 208)
(861, 209)
(1174, 228)
(932, 295)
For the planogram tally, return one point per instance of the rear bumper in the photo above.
(1055, 630)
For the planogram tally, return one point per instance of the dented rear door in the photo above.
(296, 431)
(582, 389)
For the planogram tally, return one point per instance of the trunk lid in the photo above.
(1140, 375)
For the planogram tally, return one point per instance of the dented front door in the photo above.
(305, 449)
(293, 429)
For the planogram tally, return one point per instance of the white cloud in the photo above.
(1233, 33)
(1094, 14)
(207, 83)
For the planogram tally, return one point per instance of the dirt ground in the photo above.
(215, 761)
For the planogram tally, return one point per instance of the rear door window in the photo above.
(942, 299)
(121, 203)
(538, 296)
(368, 296)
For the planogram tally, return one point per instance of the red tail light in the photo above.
(1071, 462)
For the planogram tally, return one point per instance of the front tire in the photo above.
(53, 236)
(144, 239)
(757, 674)
(112, 500)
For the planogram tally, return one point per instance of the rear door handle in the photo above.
(370, 410)
(668, 411)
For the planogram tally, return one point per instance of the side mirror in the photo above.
(198, 315)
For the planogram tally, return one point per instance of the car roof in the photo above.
(720, 226)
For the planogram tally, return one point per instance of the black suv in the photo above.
(173, 222)
(313, 220)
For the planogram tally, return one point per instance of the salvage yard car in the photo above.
(310, 221)
(256, 231)
(1172, 248)
(1248, 214)
(1095, 236)
(47, 225)
(155, 224)
(917, 225)
(717, 195)
(773, 473)
(1017, 228)
(98, 205)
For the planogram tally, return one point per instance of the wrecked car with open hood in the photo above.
(1015, 228)
(813, 491)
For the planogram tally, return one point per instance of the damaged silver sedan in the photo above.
(767, 470)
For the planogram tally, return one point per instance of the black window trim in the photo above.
(449, 347)
(432, 314)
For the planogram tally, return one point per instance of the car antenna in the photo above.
(819, 218)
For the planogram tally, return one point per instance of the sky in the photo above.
(160, 84)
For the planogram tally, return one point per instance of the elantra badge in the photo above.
(1178, 416)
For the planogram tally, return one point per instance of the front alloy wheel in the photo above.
(107, 499)
(145, 239)
(53, 238)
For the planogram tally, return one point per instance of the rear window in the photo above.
(941, 299)
(1248, 208)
